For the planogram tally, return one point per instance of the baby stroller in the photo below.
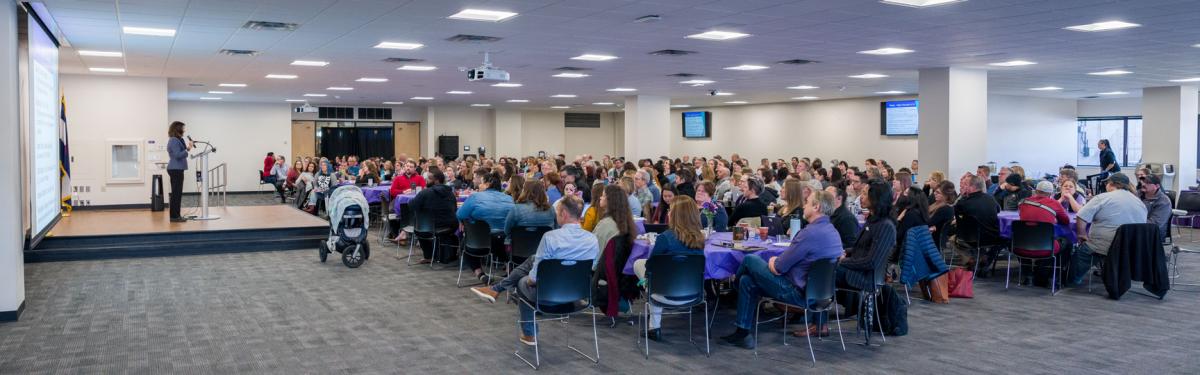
(347, 226)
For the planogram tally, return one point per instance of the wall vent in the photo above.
(335, 113)
(581, 120)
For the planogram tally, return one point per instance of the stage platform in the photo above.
(109, 234)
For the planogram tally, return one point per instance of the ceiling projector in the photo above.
(305, 108)
(487, 72)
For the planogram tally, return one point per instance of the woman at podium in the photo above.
(177, 150)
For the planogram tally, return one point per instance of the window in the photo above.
(1123, 133)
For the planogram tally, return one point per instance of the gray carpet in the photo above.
(284, 312)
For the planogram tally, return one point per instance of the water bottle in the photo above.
(793, 227)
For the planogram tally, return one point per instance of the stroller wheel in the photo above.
(323, 251)
(353, 257)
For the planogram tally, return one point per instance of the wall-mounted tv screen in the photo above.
(898, 117)
(697, 124)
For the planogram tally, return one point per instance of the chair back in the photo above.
(476, 234)
(262, 177)
(425, 224)
(819, 288)
(564, 281)
(525, 240)
(677, 278)
(1032, 236)
(1189, 201)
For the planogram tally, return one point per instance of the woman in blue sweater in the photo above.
(682, 237)
(489, 205)
(177, 150)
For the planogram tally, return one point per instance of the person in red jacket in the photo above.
(407, 181)
(1043, 208)
(268, 162)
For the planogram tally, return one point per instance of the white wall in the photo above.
(845, 129)
(543, 131)
(243, 133)
(471, 125)
(594, 141)
(1109, 107)
(104, 108)
(1039, 133)
(12, 186)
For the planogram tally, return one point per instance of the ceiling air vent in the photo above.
(239, 52)
(272, 26)
(196, 84)
(473, 38)
(671, 52)
(571, 69)
(683, 75)
(798, 62)
(1091, 97)
(401, 60)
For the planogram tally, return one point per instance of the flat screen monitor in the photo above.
(898, 118)
(697, 124)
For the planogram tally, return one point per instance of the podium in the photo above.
(202, 157)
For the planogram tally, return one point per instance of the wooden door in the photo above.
(304, 139)
(408, 139)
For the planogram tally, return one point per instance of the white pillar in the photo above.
(953, 120)
(429, 135)
(507, 125)
(1169, 131)
(12, 258)
(647, 127)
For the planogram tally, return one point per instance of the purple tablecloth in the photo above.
(719, 262)
(403, 199)
(641, 224)
(1008, 217)
(375, 194)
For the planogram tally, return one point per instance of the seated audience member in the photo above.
(913, 211)
(1069, 196)
(985, 173)
(492, 206)
(660, 214)
(293, 174)
(1001, 192)
(307, 172)
(407, 181)
(595, 210)
(857, 268)
(439, 202)
(784, 277)
(1016, 190)
(641, 189)
(931, 184)
(682, 237)
(532, 209)
(552, 182)
(368, 174)
(1158, 204)
(387, 171)
(900, 185)
(685, 182)
(631, 199)
(1104, 214)
(793, 197)
(982, 208)
(752, 206)
(941, 212)
(617, 218)
(1042, 208)
(352, 166)
(845, 222)
(568, 242)
(720, 217)
(462, 179)
(516, 186)
(858, 184)
(279, 173)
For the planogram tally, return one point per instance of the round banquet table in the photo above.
(403, 199)
(719, 262)
(1006, 219)
(375, 194)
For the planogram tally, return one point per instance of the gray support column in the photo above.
(953, 120)
(1169, 131)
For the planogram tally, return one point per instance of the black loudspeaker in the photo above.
(156, 193)
(448, 146)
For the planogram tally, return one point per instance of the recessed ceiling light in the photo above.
(393, 103)
(422, 98)
(806, 98)
(718, 35)
(399, 45)
(107, 70)
(309, 63)
(886, 51)
(697, 82)
(563, 96)
(417, 68)
(281, 76)
(571, 75)
(482, 15)
(99, 53)
(456, 92)
(1112, 93)
(621, 89)
(517, 101)
(746, 67)
(1102, 26)
(315, 95)
(369, 79)
(339, 88)
(232, 85)
(737, 102)
(920, 3)
(602, 103)
(870, 76)
(1046, 88)
(561, 107)
(220, 92)
(593, 57)
(1111, 72)
(481, 105)
(294, 100)
(723, 93)
(1013, 63)
(148, 31)
(507, 84)
(681, 105)
(804, 87)
(891, 92)
(1193, 79)
(209, 98)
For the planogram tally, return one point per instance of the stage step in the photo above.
(57, 249)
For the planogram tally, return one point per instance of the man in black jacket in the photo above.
(436, 201)
(844, 221)
(975, 204)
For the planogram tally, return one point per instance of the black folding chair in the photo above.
(564, 288)
(425, 229)
(867, 298)
(1031, 239)
(675, 283)
(656, 228)
(524, 242)
(477, 235)
(968, 230)
(819, 297)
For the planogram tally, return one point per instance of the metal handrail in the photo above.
(218, 178)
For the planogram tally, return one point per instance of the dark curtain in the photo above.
(374, 142)
(338, 142)
(361, 142)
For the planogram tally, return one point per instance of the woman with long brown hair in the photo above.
(682, 237)
(177, 150)
(516, 186)
(617, 219)
(532, 209)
